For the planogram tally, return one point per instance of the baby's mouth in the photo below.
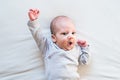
(70, 43)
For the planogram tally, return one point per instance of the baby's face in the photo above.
(65, 36)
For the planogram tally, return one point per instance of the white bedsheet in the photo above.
(97, 21)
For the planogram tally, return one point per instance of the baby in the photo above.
(62, 51)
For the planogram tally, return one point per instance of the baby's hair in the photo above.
(53, 22)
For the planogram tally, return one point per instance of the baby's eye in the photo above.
(73, 32)
(64, 33)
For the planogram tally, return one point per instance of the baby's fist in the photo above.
(33, 14)
(82, 43)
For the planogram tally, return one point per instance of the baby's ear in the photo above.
(53, 38)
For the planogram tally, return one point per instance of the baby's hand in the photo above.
(33, 14)
(82, 43)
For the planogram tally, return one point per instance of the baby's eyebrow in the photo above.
(63, 32)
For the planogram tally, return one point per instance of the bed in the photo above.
(97, 21)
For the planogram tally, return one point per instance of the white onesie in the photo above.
(59, 64)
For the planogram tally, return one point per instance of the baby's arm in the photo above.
(34, 27)
(33, 21)
(85, 56)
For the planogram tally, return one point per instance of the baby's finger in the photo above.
(31, 10)
(37, 11)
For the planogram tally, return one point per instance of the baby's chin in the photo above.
(68, 48)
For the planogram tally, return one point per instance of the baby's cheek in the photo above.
(64, 41)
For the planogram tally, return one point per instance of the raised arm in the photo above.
(33, 24)
(85, 56)
(35, 29)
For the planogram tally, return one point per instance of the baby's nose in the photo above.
(70, 36)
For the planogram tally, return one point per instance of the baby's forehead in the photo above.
(60, 21)
(64, 25)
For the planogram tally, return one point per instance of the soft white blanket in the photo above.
(97, 21)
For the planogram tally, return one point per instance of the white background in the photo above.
(97, 21)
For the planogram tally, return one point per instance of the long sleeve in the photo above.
(37, 34)
(85, 56)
